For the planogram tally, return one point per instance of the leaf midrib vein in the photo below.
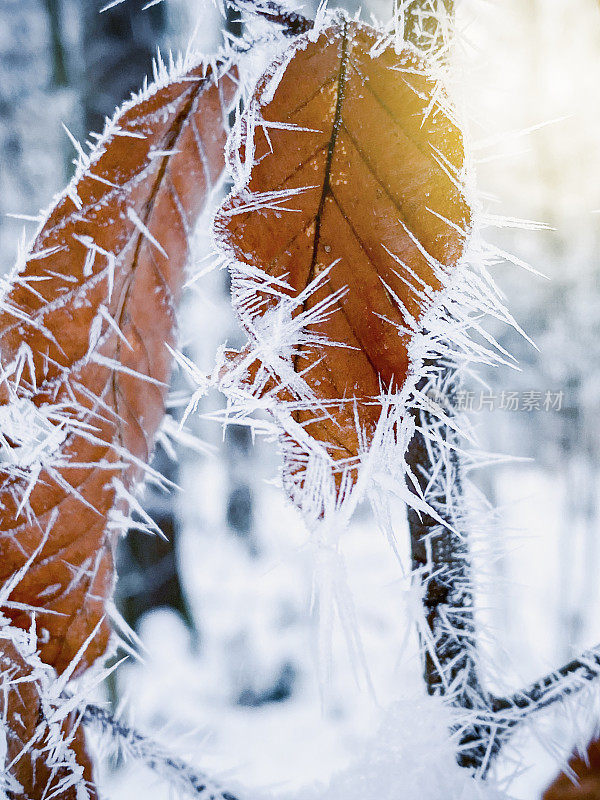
(326, 188)
(171, 142)
(335, 128)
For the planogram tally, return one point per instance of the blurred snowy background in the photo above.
(246, 669)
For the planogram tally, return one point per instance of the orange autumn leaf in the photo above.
(46, 757)
(85, 327)
(356, 176)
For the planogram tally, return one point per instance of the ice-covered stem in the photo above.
(440, 552)
(135, 745)
(441, 563)
(495, 723)
(292, 22)
(440, 560)
(563, 682)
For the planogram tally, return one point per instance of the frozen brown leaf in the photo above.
(48, 759)
(357, 169)
(85, 327)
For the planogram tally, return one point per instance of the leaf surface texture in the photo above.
(357, 175)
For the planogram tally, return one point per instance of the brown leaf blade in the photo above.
(356, 177)
(584, 781)
(47, 759)
(84, 334)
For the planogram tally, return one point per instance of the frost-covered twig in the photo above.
(492, 726)
(135, 745)
(563, 682)
(440, 560)
(441, 563)
(440, 553)
(291, 22)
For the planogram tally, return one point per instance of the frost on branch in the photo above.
(86, 323)
(347, 235)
